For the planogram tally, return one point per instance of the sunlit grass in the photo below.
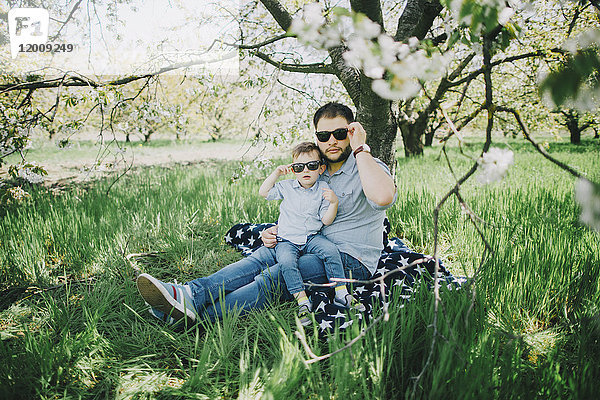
(531, 328)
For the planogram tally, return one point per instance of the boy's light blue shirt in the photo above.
(358, 227)
(301, 210)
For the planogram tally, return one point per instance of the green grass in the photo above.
(530, 330)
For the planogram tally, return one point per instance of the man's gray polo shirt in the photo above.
(300, 211)
(358, 227)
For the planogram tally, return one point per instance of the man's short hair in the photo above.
(305, 147)
(332, 110)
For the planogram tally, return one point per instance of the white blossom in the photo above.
(390, 50)
(588, 196)
(307, 27)
(27, 173)
(366, 28)
(494, 165)
(18, 194)
(372, 68)
(391, 90)
(505, 15)
(358, 51)
(413, 42)
(590, 37)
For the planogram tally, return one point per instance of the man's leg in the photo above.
(312, 269)
(269, 286)
(265, 288)
(206, 290)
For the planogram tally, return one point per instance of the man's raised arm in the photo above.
(379, 187)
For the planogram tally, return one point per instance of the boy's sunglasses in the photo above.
(339, 134)
(311, 165)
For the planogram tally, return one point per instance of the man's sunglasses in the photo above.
(311, 165)
(339, 134)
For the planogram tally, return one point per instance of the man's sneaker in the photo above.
(167, 319)
(350, 302)
(169, 298)
(304, 315)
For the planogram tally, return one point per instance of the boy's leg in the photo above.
(329, 254)
(287, 254)
(206, 290)
(287, 258)
(332, 260)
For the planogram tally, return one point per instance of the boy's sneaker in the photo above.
(304, 315)
(169, 298)
(350, 302)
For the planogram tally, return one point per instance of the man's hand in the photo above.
(330, 196)
(357, 135)
(269, 236)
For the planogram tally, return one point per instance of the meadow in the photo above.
(528, 326)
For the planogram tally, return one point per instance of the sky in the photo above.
(146, 36)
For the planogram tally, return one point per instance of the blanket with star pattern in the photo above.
(394, 263)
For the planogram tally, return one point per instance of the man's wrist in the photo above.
(362, 148)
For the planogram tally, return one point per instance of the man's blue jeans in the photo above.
(254, 281)
(288, 254)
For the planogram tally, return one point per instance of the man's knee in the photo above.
(265, 256)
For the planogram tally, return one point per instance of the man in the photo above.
(365, 189)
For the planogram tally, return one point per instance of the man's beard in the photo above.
(343, 155)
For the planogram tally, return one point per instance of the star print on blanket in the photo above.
(408, 267)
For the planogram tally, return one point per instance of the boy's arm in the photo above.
(331, 212)
(268, 184)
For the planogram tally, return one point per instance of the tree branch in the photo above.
(476, 73)
(75, 7)
(281, 15)
(431, 10)
(258, 45)
(316, 68)
(78, 81)
(538, 147)
(408, 20)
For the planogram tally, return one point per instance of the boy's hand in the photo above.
(330, 196)
(283, 170)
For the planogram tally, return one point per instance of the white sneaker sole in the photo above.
(155, 294)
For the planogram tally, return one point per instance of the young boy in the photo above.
(307, 205)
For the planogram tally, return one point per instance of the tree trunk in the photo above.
(429, 138)
(575, 135)
(147, 136)
(375, 115)
(572, 124)
(411, 136)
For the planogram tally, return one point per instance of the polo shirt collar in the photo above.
(297, 185)
(348, 167)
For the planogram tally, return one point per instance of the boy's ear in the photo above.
(322, 169)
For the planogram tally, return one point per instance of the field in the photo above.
(73, 326)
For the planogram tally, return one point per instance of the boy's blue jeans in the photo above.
(287, 254)
(254, 281)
